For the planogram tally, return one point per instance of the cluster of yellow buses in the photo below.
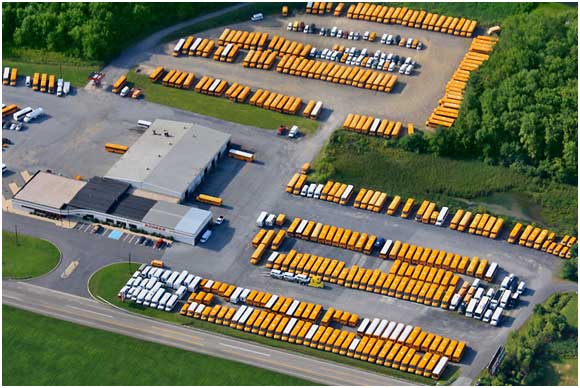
(44, 82)
(238, 93)
(264, 240)
(370, 200)
(211, 86)
(337, 73)
(259, 59)
(482, 224)
(412, 18)
(9, 109)
(197, 46)
(370, 125)
(283, 46)
(447, 111)
(296, 183)
(226, 53)
(542, 239)
(175, 78)
(320, 8)
(332, 235)
(276, 101)
(244, 39)
(390, 353)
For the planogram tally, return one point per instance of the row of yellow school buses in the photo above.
(542, 239)
(226, 53)
(405, 356)
(193, 46)
(482, 224)
(337, 73)
(259, 59)
(282, 46)
(245, 39)
(370, 125)
(322, 7)
(447, 111)
(412, 18)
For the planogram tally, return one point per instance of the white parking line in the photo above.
(244, 350)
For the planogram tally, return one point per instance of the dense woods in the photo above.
(520, 108)
(90, 31)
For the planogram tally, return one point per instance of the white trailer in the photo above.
(381, 328)
(234, 298)
(270, 303)
(34, 114)
(66, 88)
(272, 258)
(244, 294)
(389, 330)
(6, 76)
(165, 275)
(311, 332)
(347, 193)
(405, 334)
(301, 227)
(181, 291)
(179, 281)
(505, 298)
(374, 126)
(239, 314)
(172, 279)
(194, 45)
(386, 248)
(270, 220)
(261, 219)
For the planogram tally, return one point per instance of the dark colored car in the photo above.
(380, 242)
(141, 240)
(397, 39)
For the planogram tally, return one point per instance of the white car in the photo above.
(257, 17)
(125, 91)
(384, 38)
(289, 27)
(205, 236)
(304, 191)
(409, 70)
(293, 131)
(219, 220)
(366, 35)
(389, 39)
(402, 69)
(392, 67)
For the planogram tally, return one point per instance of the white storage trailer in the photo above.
(261, 219)
(21, 113)
(363, 326)
(389, 330)
(178, 46)
(34, 114)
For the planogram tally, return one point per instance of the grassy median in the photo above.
(371, 162)
(218, 107)
(107, 282)
(38, 350)
(27, 257)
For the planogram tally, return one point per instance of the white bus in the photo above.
(172, 279)
(405, 334)
(144, 123)
(470, 308)
(171, 303)
(178, 46)
(386, 248)
(270, 303)
(301, 227)
(235, 295)
(491, 270)
(363, 326)
(496, 317)
(181, 291)
(318, 191)
(193, 47)
(271, 259)
(238, 314)
(373, 326)
(245, 294)
(163, 301)
(397, 332)
(439, 368)
(32, 115)
(6, 76)
(505, 298)
(261, 219)
(21, 113)
(381, 328)
(179, 281)
(387, 333)
(347, 193)
(481, 307)
(442, 216)
(374, 126)
(310, 333)
(214, 85)
(191, 287)
(293, 307)
(316, 110)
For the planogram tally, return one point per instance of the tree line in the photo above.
(520, 108)
(90, 31)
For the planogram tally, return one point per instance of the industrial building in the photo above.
(109, 201)
(171, 158)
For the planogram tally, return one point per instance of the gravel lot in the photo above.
(411, 101)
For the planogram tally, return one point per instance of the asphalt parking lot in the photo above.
(70, 141)
(411, 101)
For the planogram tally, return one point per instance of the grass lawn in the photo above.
(27, 258)
(38, 350)
(30, 61)
(218, 107)
(108, 281)
(370, 162)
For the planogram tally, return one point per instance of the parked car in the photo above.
(219, 220)
(205, 236)
(289, 27)
(322, 31)
(293, 132)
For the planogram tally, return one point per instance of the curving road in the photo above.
(89, 312)
(138, 52)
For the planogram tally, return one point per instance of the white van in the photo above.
(171, 303)
(271, 220)
(144, 123)
(205, 236)
(496, 317)
(311, 190)
(28, 81)
(257, 17)
(442, 216)
(318, 191)
(261, 219)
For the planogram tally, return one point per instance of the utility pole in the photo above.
(129, 261)
(16, 233)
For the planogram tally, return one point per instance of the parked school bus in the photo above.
(9, 109)
(204, 198)
(43, 82)
(156, 74)
(116, 148)
(119, 83)
(407, 208)
(13, 76)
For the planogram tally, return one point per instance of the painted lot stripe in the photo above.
(244, 349)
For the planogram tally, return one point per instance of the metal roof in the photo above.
(169, 156)
(99, 194)
(178, 217)
(132, 207)
(49, 190)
